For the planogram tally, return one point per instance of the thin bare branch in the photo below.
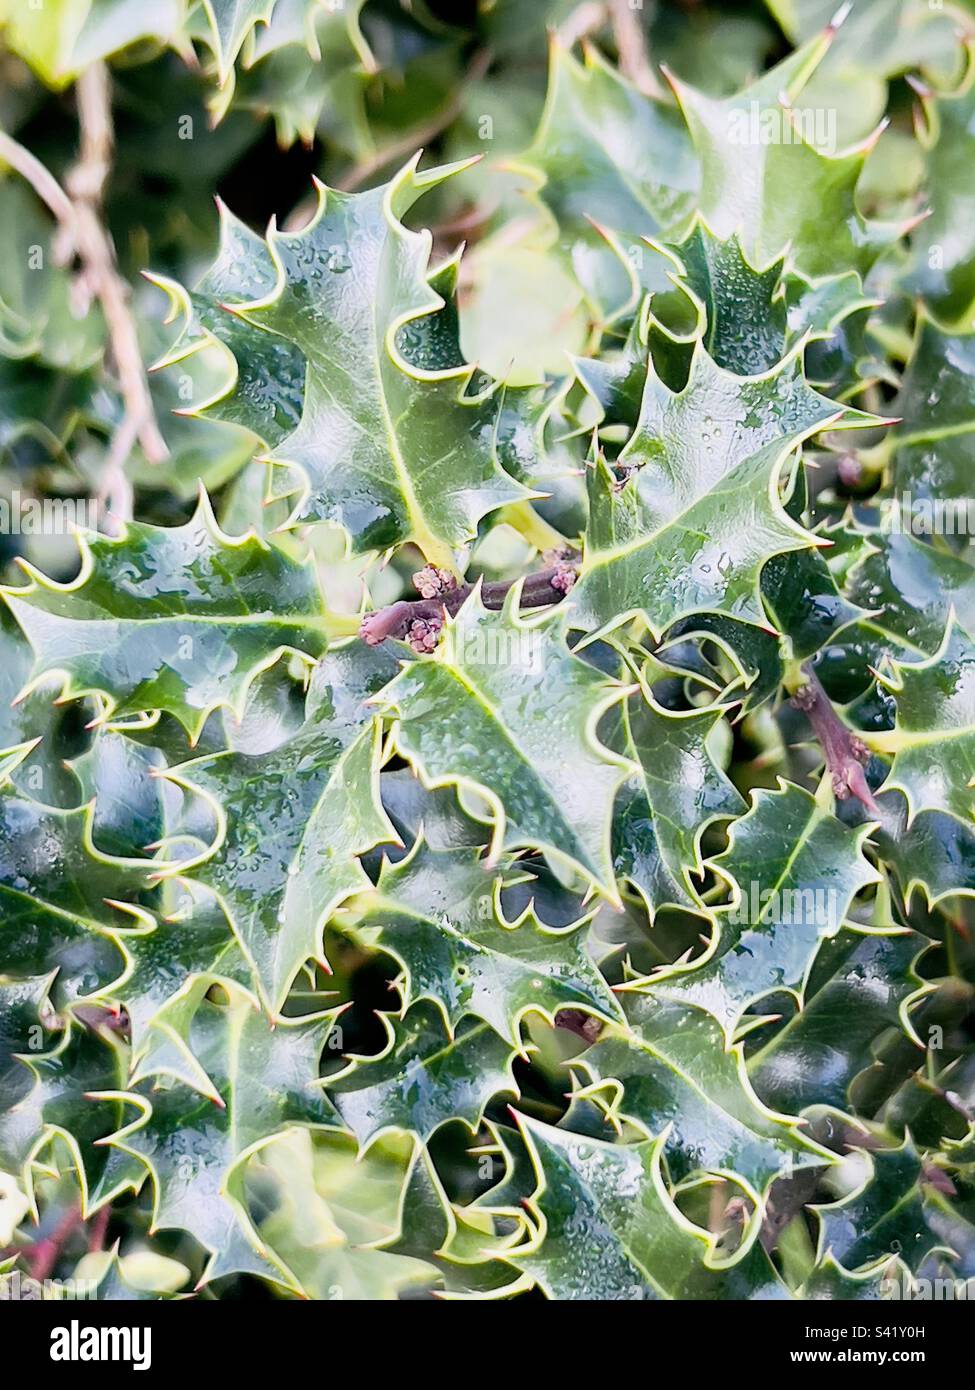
(82, 233)
(584, 20)
(419, 621)
(631, 44)
(86, 184)
(844, 753)
(43, 182)
(417, 139)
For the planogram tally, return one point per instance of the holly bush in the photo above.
(487, 697)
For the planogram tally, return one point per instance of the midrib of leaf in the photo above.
(233, 1062)
(621, 1241)
(235, 925)
(803, 839)
(657, 815)
(604, 557)
(781, 1038)
(311, 816)
(931, 435)
(797, 848)
(88, 923)
(894, 740)
(481, 699)
(430, 1057)
(633, 1036)
(317, 624)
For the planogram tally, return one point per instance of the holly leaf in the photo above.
(936, 855)
(872, 43)
(887, 1216)
(174, 618)
(335, 1213)
(933, 741)
(53, 1102)
(603, 150)
(692, 514)
(119, 775)
(942, 266)
(678, 1080)
(264, 384)
(194, 1147)
(38, 325)
(748, 318)
(22, 1003)
(795, 870)
(439, 914)
(662, 813)
(802, 599)
(505, 707)
(800, 592)
(912, 587)
(829, 1281)
(755, 314)
(608, 1228)
(461, 1242)
(190, 941)
(58, 44)
(770, 171)
(387, 447)
(140, 1277)
(859, 986)
(66, 906)
(423, 1078)
(231, 22)
(291, 821)
(309, 68)
(936, 403)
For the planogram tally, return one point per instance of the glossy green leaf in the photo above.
(605, 154)
(694, 515)
(439, 914)
(176, 618)
(771, 172)
(886, 1217)
(291, 821)
(662, 813)
(794, 870)
(678, 1080)
(934, 739)
(858, 987)
(424, 1077)
(608, 1228)
(194, 1146)
(507, 708)
(388, 447)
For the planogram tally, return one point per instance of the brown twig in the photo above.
(362, 171)
(78, 208)
(43, 1255)
(43, 182)
(86, 186)
(584, 20)
(419, 621)
(844, 753)
(631, 45)
(98, 1227)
